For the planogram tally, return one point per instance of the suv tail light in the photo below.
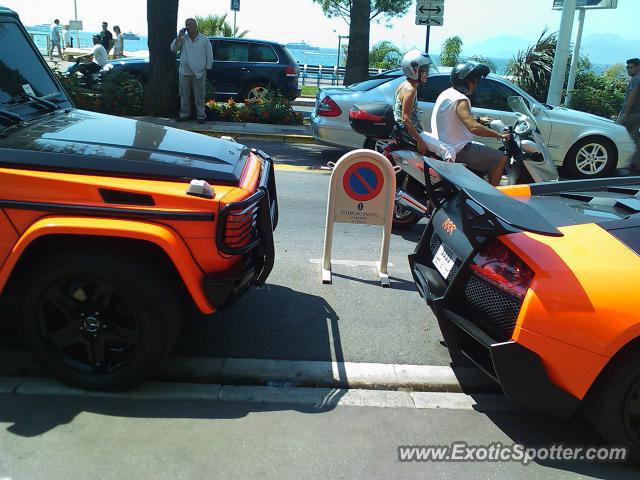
(328, 108)
(292, 71)
(499, 266)
(241, 226)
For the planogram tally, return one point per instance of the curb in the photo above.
(315, 398)
(298, 373)
(374, 376)
(289, 138)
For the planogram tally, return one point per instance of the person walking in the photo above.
(630, 113)
(106, 38)
(54, 30)
(118, 43)
(196, 57)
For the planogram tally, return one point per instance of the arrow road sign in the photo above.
(430, 9)
(429, 12)
(429, 21)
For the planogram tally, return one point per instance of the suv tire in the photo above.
(255, 90)
(99, 321)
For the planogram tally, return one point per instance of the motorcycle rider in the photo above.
(453, 123)
(415, 65)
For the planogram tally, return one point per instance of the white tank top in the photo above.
(445, 124)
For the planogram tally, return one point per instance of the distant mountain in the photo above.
(601, 48)
(502, 46)
(609, 49)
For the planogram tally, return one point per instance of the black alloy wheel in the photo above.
(89, 326)
(100, 320)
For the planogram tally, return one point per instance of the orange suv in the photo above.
(108, 224)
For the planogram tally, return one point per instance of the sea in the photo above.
(322, 56)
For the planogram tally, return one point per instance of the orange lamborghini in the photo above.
(538, 285)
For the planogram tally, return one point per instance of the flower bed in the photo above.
(269, 108)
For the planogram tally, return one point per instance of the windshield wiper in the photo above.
(50, 106)
(11, 116)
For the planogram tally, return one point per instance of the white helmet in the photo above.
(412, 61)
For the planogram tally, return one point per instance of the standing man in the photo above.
(65, 37)
(54, 30)
(106, 38)
(630, 113)
(196, 57)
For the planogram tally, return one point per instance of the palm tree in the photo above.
(385, 55)
(450, 51)
(531, 68)
(217, 26)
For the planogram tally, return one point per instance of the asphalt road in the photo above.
(46, 437)
(295, 316)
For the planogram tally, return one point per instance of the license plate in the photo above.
(444, 260)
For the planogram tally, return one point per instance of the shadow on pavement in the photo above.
(33, 416)
(533, 429)
(297, 325)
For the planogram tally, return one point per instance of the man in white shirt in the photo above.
(196, 57)
(453, 123)
(98, 57)
(54, 31)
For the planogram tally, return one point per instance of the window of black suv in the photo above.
(229, 51)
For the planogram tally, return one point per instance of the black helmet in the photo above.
(467, 71)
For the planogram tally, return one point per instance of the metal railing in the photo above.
(318, 73)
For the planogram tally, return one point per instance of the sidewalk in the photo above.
(283, 133)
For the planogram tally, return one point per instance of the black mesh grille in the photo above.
(491, 309)
(434, 244)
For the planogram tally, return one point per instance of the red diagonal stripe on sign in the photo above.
(364, 182)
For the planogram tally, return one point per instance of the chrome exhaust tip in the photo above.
(411, 203)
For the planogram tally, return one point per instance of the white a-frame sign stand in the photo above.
(361, 191)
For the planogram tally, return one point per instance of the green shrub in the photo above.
(116, 93)
(600, 94)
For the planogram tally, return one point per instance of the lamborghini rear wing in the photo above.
(486, 211)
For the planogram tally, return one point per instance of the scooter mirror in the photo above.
(497, 126)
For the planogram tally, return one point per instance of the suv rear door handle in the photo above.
(245, 68)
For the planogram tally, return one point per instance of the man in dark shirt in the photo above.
(630, 113)
(106, 38)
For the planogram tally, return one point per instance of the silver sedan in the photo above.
(586, 145)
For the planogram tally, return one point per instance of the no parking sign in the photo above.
(361, 191)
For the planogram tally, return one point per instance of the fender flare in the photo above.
(164, 237)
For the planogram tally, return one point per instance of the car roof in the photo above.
(7, 11)
(247, 40)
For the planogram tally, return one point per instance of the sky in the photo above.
(475, 21)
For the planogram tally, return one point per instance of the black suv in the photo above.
(242, 68)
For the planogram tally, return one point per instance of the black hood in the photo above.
(89, 142)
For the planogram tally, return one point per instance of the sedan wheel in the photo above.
(591, 158)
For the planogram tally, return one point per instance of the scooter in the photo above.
(529, 158)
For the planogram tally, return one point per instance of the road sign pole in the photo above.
(426, 48)
(562, 53)
(576, 58)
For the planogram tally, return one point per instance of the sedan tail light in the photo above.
(499, 266)
(328, 108)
